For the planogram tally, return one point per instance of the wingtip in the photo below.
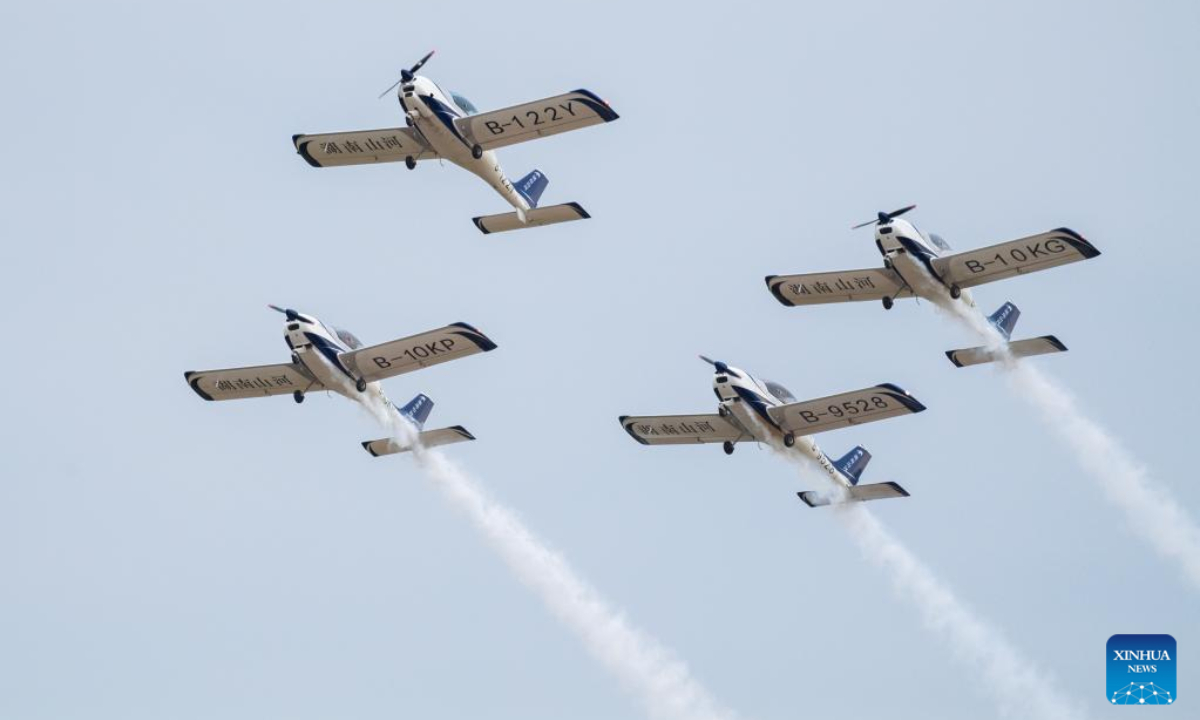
(479, 224)
(302, 151)
(774, 288)
(485, 343)
(194, 383)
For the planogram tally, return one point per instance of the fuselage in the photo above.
(317, 346)
(910, 253)
(431, 113)
(744, 400)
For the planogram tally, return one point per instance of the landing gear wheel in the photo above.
(789, 439)
(361, 385)
(410, 162)
(887, 263)
(298, 397)
(887, 303)
(722, 411)
(955, 292)
(476, 151)
(728, 447)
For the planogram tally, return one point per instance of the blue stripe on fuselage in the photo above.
(330, 350)
(922, 253)
(445, 114)
(757, 402)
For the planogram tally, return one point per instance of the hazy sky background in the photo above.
(165, 557)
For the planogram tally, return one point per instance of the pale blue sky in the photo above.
(166, 557)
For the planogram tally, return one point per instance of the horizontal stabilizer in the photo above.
(858, 493)
(428, 439)
(533, 218)
(1021, 348)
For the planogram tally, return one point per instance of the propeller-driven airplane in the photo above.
(441, 125)
(922, 265)
(329, 358)
(754, 410)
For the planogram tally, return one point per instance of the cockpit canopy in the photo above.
(348, 338)
(937, 241)
(466, 105)
(781, 393)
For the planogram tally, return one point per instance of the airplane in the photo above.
(329, 358)
(922, 265)
(447, 126)
(754, 410)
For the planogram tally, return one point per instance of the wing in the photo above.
(533, 120)
(411, 353)
(831, 287)
(1030, 254)
(247, 382)
(839, 411)
(681, 429)
(361, 147)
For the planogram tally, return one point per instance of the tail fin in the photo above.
(417, 410)
(531, 186)
(853, 463)
(1005, 319)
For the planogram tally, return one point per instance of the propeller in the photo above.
(291, 314)
(884, 218)
(720, 366)
(407, 74)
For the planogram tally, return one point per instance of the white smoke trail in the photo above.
(1019, 689)
(650, 671)
(1150, 509)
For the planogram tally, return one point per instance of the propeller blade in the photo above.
(883, 217)
(720, 366)
(392, 87)
(290, 313)
(421, 62)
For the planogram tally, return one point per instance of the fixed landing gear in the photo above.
(955, 291)
(476, 151)
(410, 162)
(728, 446)
(887, 263)
(722, 411)
(888, 303)
(361, 385)
(789, 439)
(298, 397)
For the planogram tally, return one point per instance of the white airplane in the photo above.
(329, 358)
(921, 265)
(447, 126)
(754, 410)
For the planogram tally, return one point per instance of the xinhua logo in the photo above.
(1141, 670)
